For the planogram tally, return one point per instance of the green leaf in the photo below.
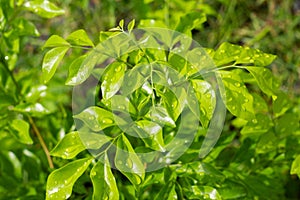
(131, 25)
(295, 169)
(69, 146)
(151, 134)
(190, 21)
(112, 79)
(121, 24)
(96, 118)
(86, 68)
(36, 110)
(93, 140)
(43, 8)
(20, 130)
(55, 41)
(204, 192)
(127, 162)
(228, 53)
(281, 104)
(207, 100)
(73, 76)
(60, 182)
(268, 142)
(103, 180)
(160, 115)
(265, 80)
(236, 96)
(80, 38)
(25, 28)
(51, 60)
(261, 124)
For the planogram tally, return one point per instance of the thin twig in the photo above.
(42, 142)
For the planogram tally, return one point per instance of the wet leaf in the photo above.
(103, 180)
(74, 69)
(127, 162)
(96, 118)
(69, 146)
(236, 96)
(60, 182)
(206, 98)
(36, 110)
(43, 8)
(265, 80)
(112, 79)
(51, 61)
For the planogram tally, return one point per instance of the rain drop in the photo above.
(254, 121)
(117, 69)
(237, 84)
(246, 100)
(107, 121)
(93, 173)
(91, 118)
(233, 107)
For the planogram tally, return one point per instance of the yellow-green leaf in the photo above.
(60, 182)
(51, 60)
(103, 180)
(80, 38)
(69, 146)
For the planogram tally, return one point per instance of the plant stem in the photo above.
(42, 142)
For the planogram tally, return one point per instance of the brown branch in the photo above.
(42, 142)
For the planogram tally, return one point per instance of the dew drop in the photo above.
(91, 118)
(129, 163)
(96, 126)
(93, 173)
(237, 84)
(107, 121)
(120, 162)
(233, 107)
(208, 95)
(246, 100)
(121, 107)
(66, 182)
(117, 69)
(254, 121)
(230, 99)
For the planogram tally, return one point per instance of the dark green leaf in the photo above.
(60, 182)
(21, 131)
(25, 28)
(51, 60)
